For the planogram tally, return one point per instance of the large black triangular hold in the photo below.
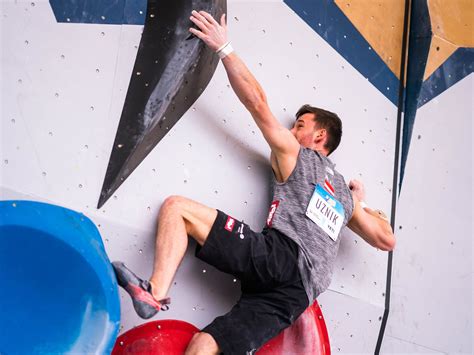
(171, 71)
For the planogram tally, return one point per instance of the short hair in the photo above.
(328, 121)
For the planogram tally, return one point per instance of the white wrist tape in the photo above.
(222, 47)
(225, 50)
(363, 204)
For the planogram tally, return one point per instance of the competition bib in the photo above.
(326, 212)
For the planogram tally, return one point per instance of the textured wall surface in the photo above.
(432, 294)
(63, 89)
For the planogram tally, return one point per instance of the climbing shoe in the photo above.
(144, 303)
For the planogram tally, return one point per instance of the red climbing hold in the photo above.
(307, 335)
(170, 337)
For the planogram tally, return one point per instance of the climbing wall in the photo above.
(63, 89)
(433, 272)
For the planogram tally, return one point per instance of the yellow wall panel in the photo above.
(381, 23)
(453, 21)
(440, 50)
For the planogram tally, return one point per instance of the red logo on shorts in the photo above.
(271, 213)
(229, 225)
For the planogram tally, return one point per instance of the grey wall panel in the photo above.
(433, 271)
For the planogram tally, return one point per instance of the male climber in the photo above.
(286, 266)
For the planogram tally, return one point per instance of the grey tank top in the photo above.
(317, 251)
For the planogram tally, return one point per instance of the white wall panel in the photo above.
(299, 60)
(353, 325)
(432, 293)
(393, 345)
(58, 146)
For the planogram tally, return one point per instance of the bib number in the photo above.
(327, 212)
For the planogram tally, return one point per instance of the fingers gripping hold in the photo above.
(200, 20)
(223, 21)
(208, 18)
(209, 30)
(357, 189)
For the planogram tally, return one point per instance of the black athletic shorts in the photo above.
(273, 296)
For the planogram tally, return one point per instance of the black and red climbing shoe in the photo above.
(144, 303)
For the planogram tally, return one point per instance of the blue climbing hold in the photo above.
(58, 292)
